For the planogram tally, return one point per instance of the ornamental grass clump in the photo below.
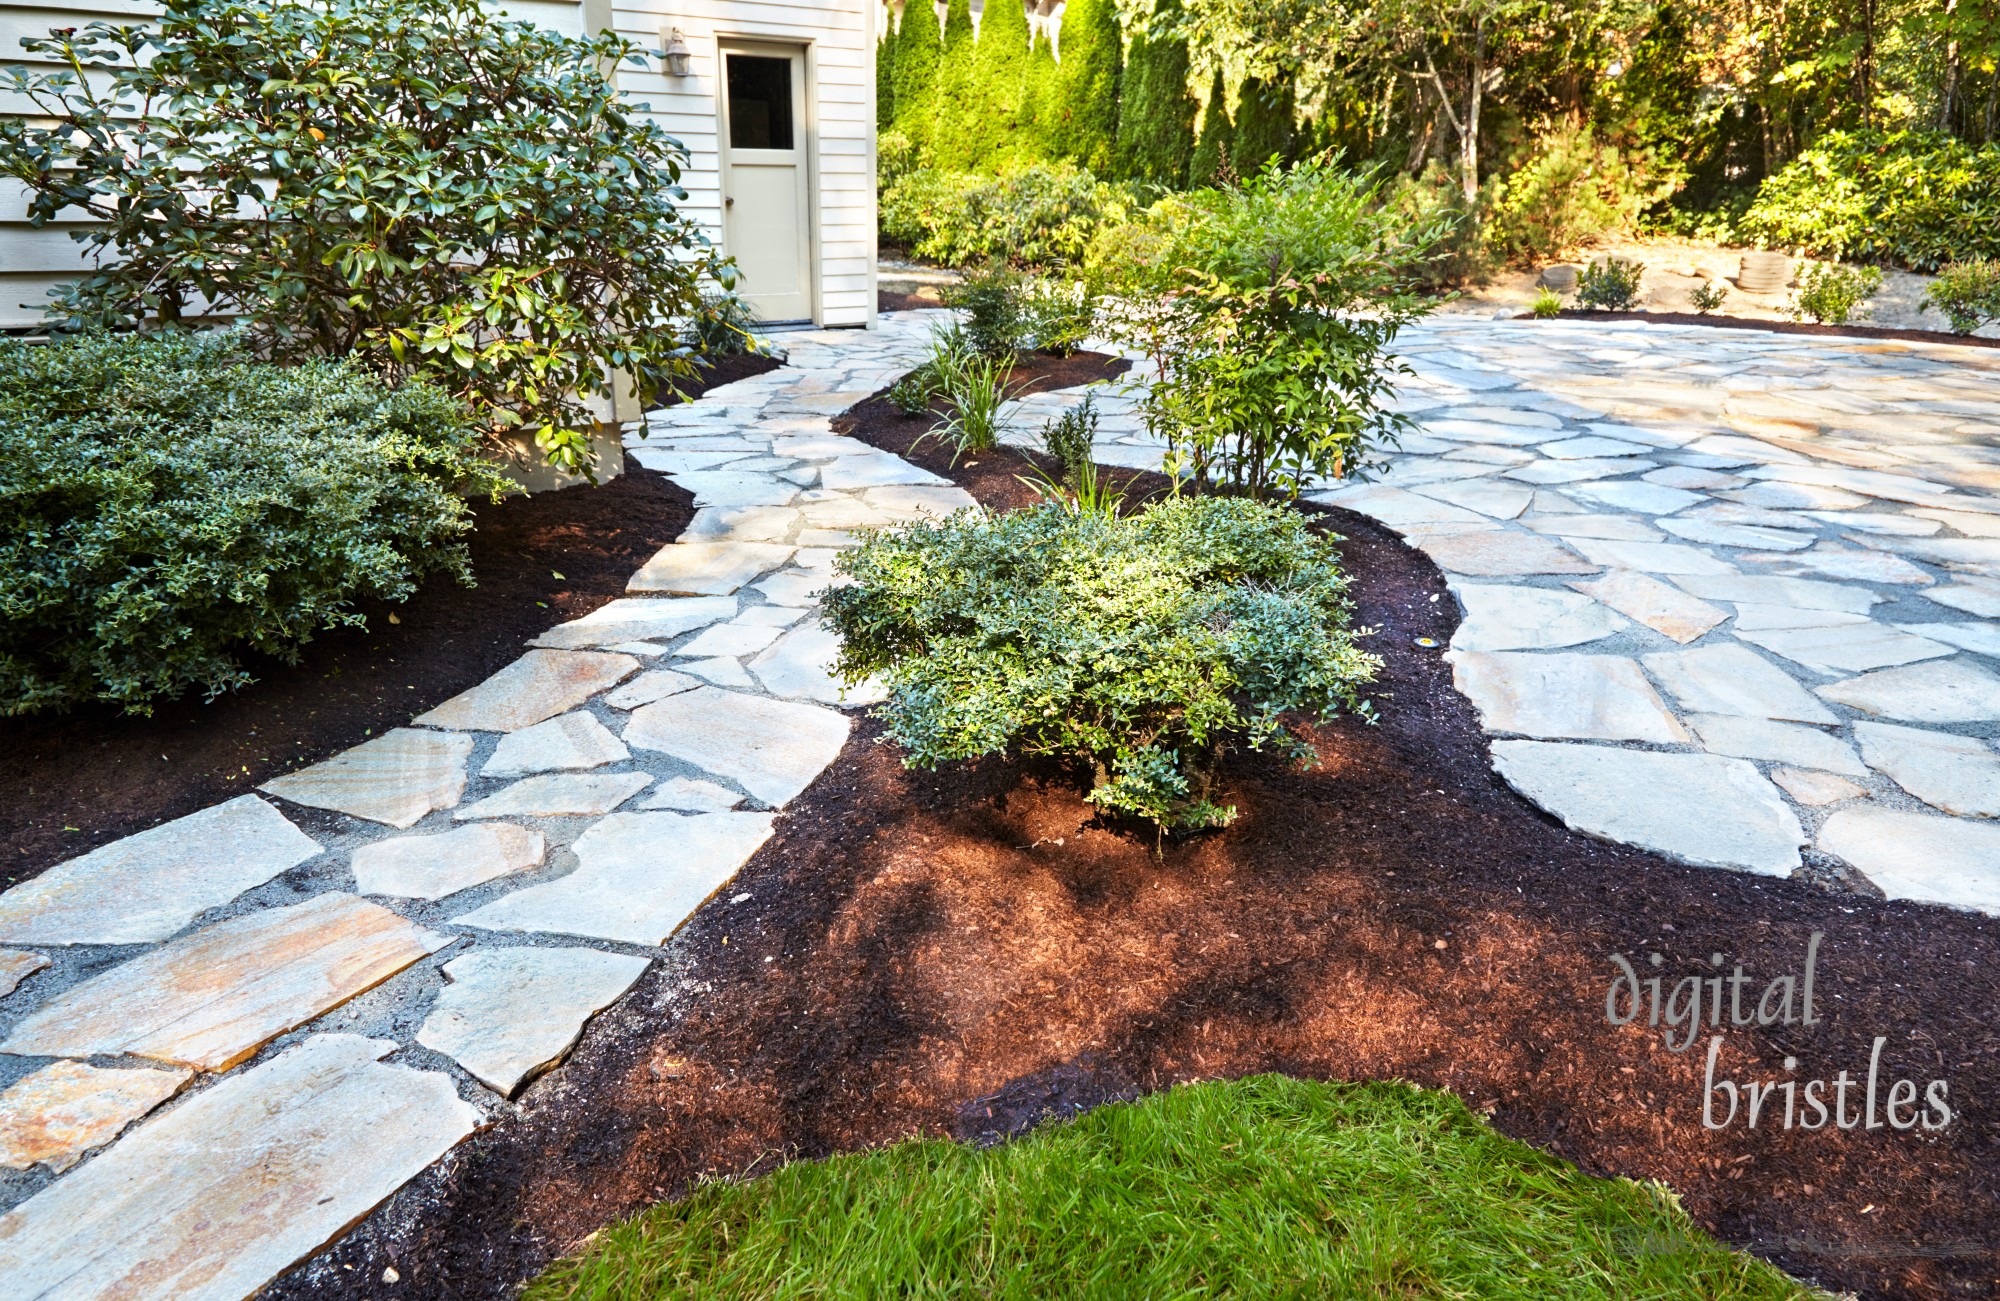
(169, 506)
(1142, 647)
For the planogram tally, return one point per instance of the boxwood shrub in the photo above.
(1142, 646)
(168, 504)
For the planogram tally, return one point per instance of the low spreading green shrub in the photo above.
(1920, 199)
(1968, 293)
(1071, 437)
(1573, 190)
(1547, 306)
(991, 297)
(1264, 1187)
(1707, 296)
(1831, 293)
(1611, 285)
(1057, 315)
(1143, 646)
(168, 505)
(1040, 215)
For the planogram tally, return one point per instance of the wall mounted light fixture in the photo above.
(676, 54)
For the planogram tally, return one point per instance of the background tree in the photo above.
(885, 73)
(1212, 152)
(999, 78)
(1156, 113)
(953, 145)
(918, 55)
(1263, 124)
(1040, 98)
(1089, 50)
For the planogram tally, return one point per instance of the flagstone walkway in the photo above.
(1732, 596)
(301, 1023)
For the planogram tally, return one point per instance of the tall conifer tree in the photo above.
(885, 73)
(1155, 111)
(1212, 153)
(917, 58)
(1263, 125)
(999, 76)
(1041, 101)
(953, 145)
(1089, 50)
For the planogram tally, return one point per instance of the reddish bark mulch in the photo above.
(1853, 331)
(961, 952)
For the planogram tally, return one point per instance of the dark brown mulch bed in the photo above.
(1777, 327)
(888, 300)
(960, 952)
(71, 782)
(720, 371)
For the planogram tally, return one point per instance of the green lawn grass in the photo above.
(1264, 1187)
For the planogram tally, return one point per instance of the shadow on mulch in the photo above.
(70, 782)
(962, 952)
(1850, 331)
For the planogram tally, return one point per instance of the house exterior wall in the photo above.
(840, 40)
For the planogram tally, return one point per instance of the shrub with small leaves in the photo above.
(1547, 306)
(1831, 293)
(912, 394)
(169, 505)
(1056, 315)
(992, 299)
(1142, 648)
(1072, 437)
(1707, 296)
(724, 325)
(1968, 293)
(1611, 285)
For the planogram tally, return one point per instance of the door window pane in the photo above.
(760, 102)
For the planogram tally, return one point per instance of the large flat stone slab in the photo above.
(653, 684)
(16, 965)
(509, 1014)
(1583, 697)
(1846, 647)
(1768, 589)
(1775, 742)
(431, 867)
(148, 886)
(1697, 808)
(707, 568)
(55, 1115)
(558, 795)
(539, 685)
(210, 999)
(772, 748)
(1500, 616)
(1651, 557)
(1494, 553)
(1920, 856)
(800, 665)
(217, 1197)
(1731, 679)
(1936, 691)
(1666, 610)
(638, 877)
(1959, 774)
(568, 741)
(638, 619)
(691, 795)
(396, 778)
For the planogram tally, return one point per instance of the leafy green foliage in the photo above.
(1072, 436)
(1968, 293)
(885, 71)
(1086, 123)
(975, 390)
(1707, 296)
(1142, 646)
(1574, 190)
(1056, 315)
(1041, 215)
(1268, 310)
(1264, 124)
(1831, 293)
(1547, 306)
(999, 83)
(432, 189)
(1156, 115)
(724, 325)
(1433, 201)
(991, 298)
(1259, 1187)
(1211, 161)
(1914, 198)
(168, 504)
(954, 141)
(1611, 285)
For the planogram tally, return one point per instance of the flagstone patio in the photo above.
(1729, 596)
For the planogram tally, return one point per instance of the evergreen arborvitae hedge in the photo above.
(954, 144)
(918, 55)
(1263, 125)
(885, 73)
(1213, 151)
(999, 81)
(1156, 113)
(1039, 110)
(1089, 50)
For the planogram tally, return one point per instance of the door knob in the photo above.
(728, 202)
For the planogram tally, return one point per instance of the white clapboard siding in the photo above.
(840, 40)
